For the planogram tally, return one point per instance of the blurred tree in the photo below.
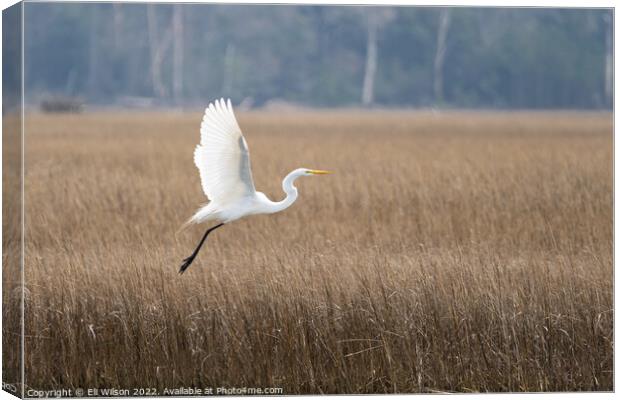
(11, 61)
(158, 46)
(609, 59)
(320, 56)
(442, 34)
(376, 18)
(177, 52)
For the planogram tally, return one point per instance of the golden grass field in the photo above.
(457, 251)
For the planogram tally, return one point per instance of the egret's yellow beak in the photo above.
(319, 172)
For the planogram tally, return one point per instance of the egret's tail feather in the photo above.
(183, 227)
(201, 215)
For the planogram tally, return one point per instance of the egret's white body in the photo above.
(223, 160)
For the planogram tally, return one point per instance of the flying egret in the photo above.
(223, 160)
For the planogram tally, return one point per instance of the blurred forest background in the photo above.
(184, 55)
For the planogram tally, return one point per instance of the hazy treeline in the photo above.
(150, 54)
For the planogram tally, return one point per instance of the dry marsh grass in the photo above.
(452, 252)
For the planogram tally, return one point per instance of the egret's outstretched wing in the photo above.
(222, 157)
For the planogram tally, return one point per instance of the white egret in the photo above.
(223, 160)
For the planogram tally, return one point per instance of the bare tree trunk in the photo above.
(156, 49)
(371, 63)
(229, 67)
(376, 17)
(609, 59)
(118, 24)
(440, 54)
(93, 56)
(177, 52)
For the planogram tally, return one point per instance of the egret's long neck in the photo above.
(290, 190)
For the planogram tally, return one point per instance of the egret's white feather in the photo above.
(222, 157)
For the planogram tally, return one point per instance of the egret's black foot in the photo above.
(189, 260)
(186, 263)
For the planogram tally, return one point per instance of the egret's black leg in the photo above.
(189, 260)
